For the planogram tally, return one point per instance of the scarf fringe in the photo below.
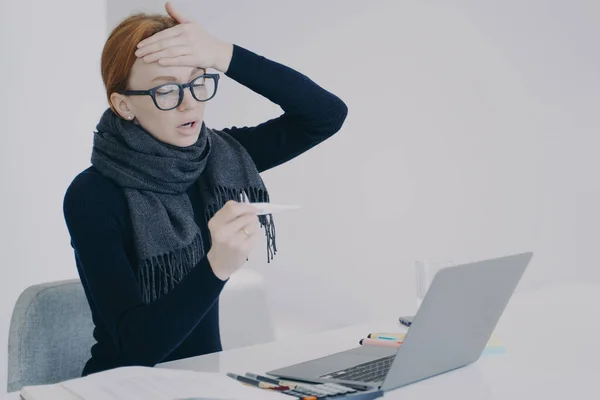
(255, 195)
(159, 274)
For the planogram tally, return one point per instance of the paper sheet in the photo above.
(131, 383)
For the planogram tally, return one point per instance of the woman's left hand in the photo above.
(186, 44)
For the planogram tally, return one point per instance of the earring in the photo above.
(131, 117)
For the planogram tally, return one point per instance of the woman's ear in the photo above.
(121, 104)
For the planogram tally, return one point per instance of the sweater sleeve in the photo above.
(311, 113)
(143, 333)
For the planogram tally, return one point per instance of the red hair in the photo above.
(118, 54)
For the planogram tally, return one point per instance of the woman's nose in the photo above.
(188, 102)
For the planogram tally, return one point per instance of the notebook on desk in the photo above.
(132, 383)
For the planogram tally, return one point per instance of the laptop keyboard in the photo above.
(372, 371)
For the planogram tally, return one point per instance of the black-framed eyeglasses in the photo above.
(169, 96)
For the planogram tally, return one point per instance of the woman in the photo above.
(156, 222)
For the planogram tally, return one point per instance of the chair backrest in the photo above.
(51, 333)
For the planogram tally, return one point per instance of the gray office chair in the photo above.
(51, 328)
(50, 334)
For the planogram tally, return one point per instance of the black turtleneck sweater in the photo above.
(184, 323)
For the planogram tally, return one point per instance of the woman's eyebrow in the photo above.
(172, 78)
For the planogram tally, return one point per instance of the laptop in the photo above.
(450, 330)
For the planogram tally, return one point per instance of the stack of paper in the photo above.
(143, 383)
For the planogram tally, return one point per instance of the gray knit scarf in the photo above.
(154, 177)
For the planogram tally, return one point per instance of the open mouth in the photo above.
(191, 124)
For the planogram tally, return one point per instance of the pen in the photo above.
(387, 336)
(318, 389)
(265, 379)
(268, 386)
(254, 382)
(307, 389)
(384, 337)
(378, 342)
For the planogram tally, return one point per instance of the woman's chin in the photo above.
(186, 141)
(184, 137)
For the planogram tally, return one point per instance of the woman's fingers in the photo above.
(247, 222)
(230, 211)
(251, 228)
(247, 236)
(176, 15)
(171, 52)
(162, 35)
(186, 61)
(158, 46)
(186, 44)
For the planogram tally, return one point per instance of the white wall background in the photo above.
(51, 97)
(471, 134)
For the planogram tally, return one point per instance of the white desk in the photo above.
(552, 337)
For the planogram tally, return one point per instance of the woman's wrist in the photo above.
(224, 56)
(215, 268)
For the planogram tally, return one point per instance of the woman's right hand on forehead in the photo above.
(186, 44)
(234, 231)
